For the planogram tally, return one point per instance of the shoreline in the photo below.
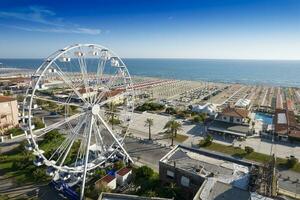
(239, 82)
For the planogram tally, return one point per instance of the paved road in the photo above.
(145, 152)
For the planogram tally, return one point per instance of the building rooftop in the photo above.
(207, 164)
(123, 171)
(235, 129)
(107, 179)
(216, 190)
(115, 196)
(235, 112)
(285, 123)
(6, 99)
(243, 103)
(281, 118)
(294, 133)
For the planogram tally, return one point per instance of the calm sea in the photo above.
(284, 73)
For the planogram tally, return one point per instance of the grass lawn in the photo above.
(254, 156)
(180, 138)
(18, 164)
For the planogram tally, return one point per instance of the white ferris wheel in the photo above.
(90, 88)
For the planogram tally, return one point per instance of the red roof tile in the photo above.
(235, 112)
(107, 178)
(123, 171)
(6, 99)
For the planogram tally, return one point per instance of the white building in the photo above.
(243, 103)
(107, 181)
(234, 115)
(123, 176)
(209, 109)
(8, 113)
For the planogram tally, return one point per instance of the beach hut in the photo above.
(107, 181)
(123, 176)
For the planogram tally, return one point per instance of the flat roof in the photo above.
(115, 196)
(281, 118)
(203, 163)
(235, 129)
(224, 191)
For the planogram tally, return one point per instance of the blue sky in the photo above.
(230, 29)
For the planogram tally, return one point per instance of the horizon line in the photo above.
(180, 58)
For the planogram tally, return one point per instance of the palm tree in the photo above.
(112, 108)
(149, 123)
(173, 126)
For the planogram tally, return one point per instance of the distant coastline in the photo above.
(267, 72)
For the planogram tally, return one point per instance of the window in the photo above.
(185, 181)
(237, 120)
(224, 118)
(170, 174)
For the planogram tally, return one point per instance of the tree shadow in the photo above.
(239, 155)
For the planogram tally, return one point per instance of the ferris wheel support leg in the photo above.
(110, 131)
(86, 158)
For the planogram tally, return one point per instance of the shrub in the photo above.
(38, 123)
(3, 158)
(291, 162)
(119, 165)
(208, 140)
(52, 135)
(22, 163)
(39, 175)
(199, 118)
(144, 172)
(151, 106)
(15, 131)
(171, 110)
(114, 121)
(100, 172)
(249, 149)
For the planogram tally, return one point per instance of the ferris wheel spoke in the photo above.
(99, 136)
(108, 86)
(102, 103)
(84, 139)
(99, 76)
(43, 131)
(69, 83)
(72, 76)
(87, 154)
(85, 76)
(121, 115)
(65, 147)
(114, 137)
(58, 102)
(100, 70)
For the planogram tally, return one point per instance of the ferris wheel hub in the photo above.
(95, 109)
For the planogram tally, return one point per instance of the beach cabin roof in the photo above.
(123, 171)
(107, 179)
